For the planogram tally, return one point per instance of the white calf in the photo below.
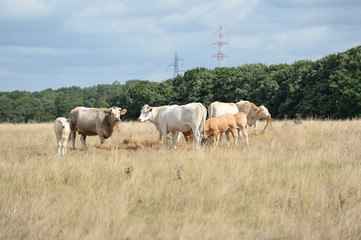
(62, 132)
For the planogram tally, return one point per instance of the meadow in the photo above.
(299, 180)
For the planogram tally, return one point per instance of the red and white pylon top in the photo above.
(220, 55)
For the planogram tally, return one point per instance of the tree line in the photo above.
(326, 88)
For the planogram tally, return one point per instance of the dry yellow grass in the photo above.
(297, 181)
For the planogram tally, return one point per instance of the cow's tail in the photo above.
(210, 110)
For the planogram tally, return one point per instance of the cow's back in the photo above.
(85, 120)
(219, 108)
(241, 119)
(244, 106)
(231, 121)
(220, 124)
(181, 118)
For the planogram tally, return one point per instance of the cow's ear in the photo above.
(257, 110)
(124, 111)
(57, 120)
(68, 120)
(150, 109)
(107, 112)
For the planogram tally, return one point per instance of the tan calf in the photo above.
(216, 126)
(241, 121)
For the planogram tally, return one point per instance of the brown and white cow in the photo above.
(62, 133)
(94, 121)
(214, 127)
(176, 119)
(254, 113)
(241, 122)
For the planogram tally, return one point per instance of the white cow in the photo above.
(94, 121)
(175, 119)
(217, 109)
(62, 133)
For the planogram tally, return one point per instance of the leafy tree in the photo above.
(137, 93)
(6, 108)
(327, 88)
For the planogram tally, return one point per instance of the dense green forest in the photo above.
(327, 88)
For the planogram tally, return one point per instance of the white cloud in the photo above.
(120, 40)
(20, 51)
(4, 72)
(103, 9)
(9, 75)
(24, 9)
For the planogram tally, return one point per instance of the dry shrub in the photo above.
(131, 144)
(154, 144)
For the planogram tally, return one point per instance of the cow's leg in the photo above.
(83, 141)
(160, 135)
(58, 143)
(228, 137)
(65, 142)
(235, 137)
(73, 135)
(219, 139)
(62, 149)
(244, 131)
(174, 139)
(101, 137)
(214, 138)
(197, 136)
(239, 135)
(255, 127)
(164, 133)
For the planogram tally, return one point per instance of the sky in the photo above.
(63, 43)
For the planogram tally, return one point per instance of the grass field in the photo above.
(297, 181)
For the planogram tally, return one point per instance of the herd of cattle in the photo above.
(190, 119)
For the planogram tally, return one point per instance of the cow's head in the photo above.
(115, 113)
(145, 113)
(188, 136)
(262, 112)
(63, 121)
